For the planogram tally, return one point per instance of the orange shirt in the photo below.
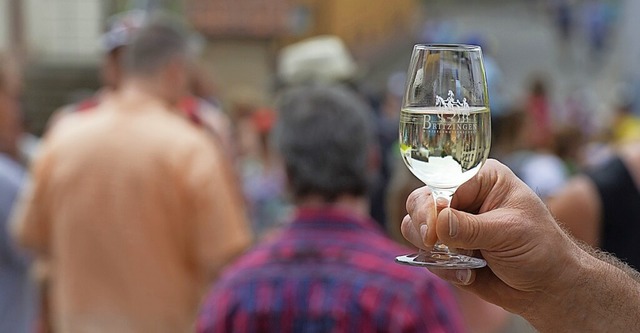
(134, 211)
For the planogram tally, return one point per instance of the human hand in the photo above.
(527, 253)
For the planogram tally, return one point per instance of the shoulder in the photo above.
(87, 104)
(170, 134)
(373, 262)
(180, 129)
(631, 156)
(254, 260)
(408, 284)
(245, 271)
(67, 126)
(261, 282)
(190, 147)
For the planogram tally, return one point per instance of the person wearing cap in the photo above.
(121, 29)
(131, 205)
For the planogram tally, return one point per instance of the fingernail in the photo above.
(453, 224)
(423, 231)
(463, 276)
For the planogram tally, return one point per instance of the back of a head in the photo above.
(159, 42)
(323, 134)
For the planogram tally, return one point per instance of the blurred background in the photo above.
(563, 76)
(59, 41)
(583, 49)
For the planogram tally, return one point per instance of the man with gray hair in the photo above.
(131, 205)
(331, 269)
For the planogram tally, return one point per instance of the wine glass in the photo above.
(445, 130)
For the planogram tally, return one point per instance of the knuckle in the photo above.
(411, 201)
(417, 204)
(410, 233)
(473, 232)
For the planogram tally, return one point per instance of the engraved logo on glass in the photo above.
(451, 105)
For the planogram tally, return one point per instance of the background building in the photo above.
(59, 40)
(241, 43)
(364, 25)
(244, 37)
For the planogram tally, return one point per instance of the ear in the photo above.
(112, 68)
(374, 159)
(177, 70)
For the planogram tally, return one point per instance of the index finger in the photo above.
(485, 189)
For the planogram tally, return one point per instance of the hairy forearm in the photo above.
(604, 297)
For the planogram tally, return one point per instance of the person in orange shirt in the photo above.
(131, 206)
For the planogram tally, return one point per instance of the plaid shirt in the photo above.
(328, 272)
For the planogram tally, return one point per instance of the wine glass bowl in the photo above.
(445, 130)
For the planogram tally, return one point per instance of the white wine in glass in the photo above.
(445, 130)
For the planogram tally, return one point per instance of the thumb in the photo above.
(467, 231)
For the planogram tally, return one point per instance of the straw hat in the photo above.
(322, 58)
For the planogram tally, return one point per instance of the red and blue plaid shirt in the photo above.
(328, 272)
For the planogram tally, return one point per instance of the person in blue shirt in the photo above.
(18, 295)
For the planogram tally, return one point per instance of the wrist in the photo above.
(591, 294)
(558, 305)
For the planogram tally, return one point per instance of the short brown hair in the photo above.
(155, 45)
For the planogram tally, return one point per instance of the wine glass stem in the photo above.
(440, 195)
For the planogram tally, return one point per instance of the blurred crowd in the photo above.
(148, 207)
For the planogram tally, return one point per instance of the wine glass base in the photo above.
(441, 260)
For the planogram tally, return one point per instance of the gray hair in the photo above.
(155, 45)
(324, 134)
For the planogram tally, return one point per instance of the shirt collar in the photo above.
(329, 214)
